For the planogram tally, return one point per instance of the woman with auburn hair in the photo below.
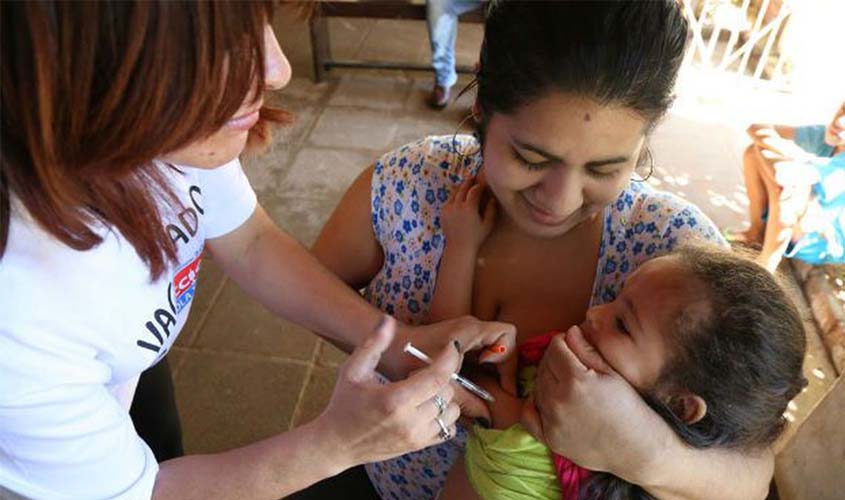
(121, 127)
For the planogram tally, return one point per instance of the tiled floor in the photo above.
(241, 373)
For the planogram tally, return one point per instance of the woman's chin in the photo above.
(540, 229)
(235, 147)
(213, 152)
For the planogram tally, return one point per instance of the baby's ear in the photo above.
(688, 407)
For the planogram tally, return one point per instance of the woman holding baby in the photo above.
(547, 211)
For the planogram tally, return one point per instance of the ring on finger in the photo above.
(445, 434)
(440, 403)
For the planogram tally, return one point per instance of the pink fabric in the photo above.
(570, 475)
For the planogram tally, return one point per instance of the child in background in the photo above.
(709, 339)
(795, 177)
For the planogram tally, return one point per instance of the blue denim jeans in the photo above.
(442, 32)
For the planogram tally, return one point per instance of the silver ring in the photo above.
(440, 403)
(445, 433)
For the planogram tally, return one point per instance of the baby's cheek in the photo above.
(639, 373)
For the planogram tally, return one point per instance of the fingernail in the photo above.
(457, 346)
(483, 422)
(497, 348)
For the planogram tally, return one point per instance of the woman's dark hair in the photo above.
(743, 358)
(93, 92)
(621, 53)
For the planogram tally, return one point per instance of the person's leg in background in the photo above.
(442, 20)
(777, 235)
(758, 198)
(154, 412)
(785, 205)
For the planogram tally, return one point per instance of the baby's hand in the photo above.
(464, 222)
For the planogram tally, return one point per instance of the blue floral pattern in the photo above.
(410, 186)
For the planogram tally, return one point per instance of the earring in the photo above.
(476, 115)
(474, 134)
(650, 166)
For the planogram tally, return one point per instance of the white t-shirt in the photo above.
(78, 328)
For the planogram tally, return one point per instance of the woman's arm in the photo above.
(278, 272)
(682, 473)
(347, 245)
(618, 433)
(64, 434)
(271, 468)
(364, 421)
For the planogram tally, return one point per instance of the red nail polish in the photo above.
(497, 348)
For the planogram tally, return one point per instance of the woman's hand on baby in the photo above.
(465, 222)
(584, 410)
(368, 421)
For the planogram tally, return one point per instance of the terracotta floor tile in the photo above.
(354, 129)
(210, 282)
(318, 391)
(226, 401)
(239, 324)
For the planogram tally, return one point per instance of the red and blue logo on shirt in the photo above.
(185, 284)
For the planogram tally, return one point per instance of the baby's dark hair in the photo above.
(743, 357)
(624, 53)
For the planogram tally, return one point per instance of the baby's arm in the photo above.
(507, 408)
(457, 483)
(465, 228)
(505, 412)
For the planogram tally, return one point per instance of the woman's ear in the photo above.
(688, 407)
